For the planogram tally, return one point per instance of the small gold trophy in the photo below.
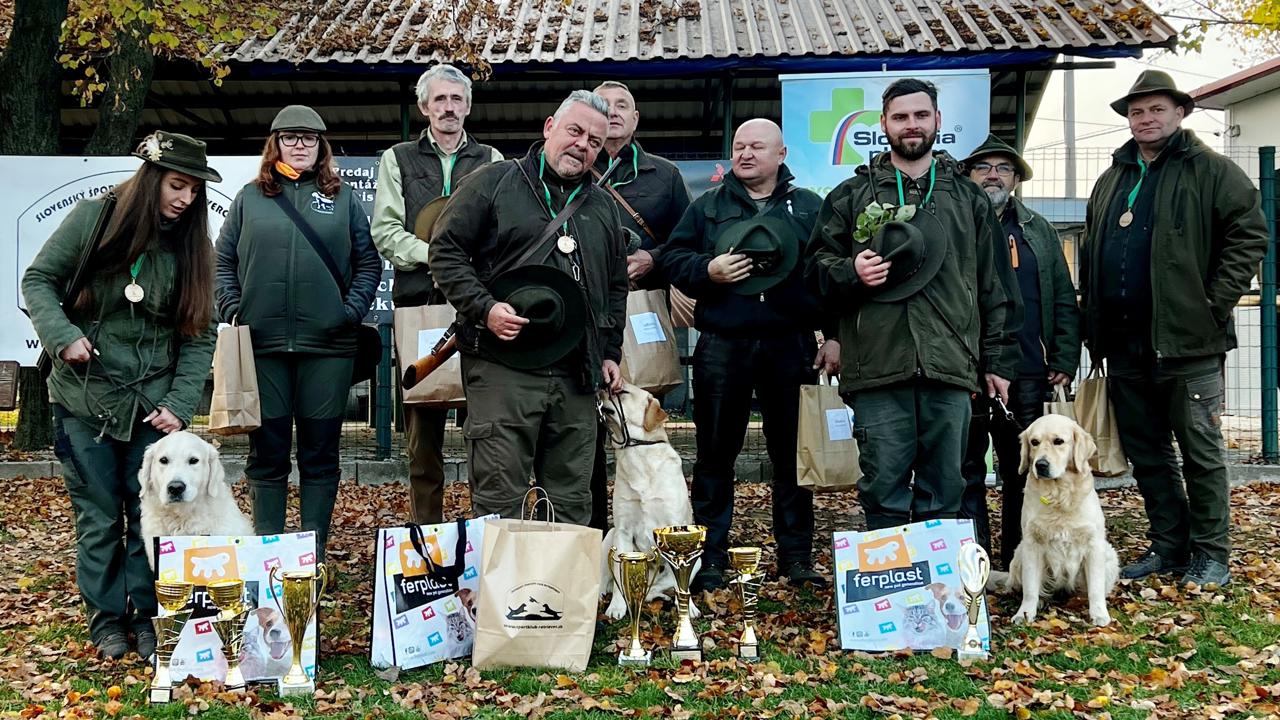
(228, 597)
(745, 561)
(633, 573)
(301, 590)
(975, 568)
(173, 598)
(681, 546)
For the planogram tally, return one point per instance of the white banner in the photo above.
(831, 122)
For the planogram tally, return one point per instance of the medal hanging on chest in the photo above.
(566, 244)
(133, 291)
(1126, 217)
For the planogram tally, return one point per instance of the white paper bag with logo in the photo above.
(424, 593)
(899, 588)
(416, 331)
(235, 407)
(267, 652)
(539, 595)
(650, 354)
(826, 451)
(1097, 416)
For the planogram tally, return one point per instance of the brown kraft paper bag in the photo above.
(1098, 418)
(826, 450)
(416, 331)
(650, 355)
(235, 408)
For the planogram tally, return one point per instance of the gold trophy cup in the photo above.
(681, 546)
(173, 598)
(745, 562)
(301, 590)
(975, 568)
(633, 574)
(228, 597)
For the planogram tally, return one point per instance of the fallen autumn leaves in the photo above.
(1171, 653)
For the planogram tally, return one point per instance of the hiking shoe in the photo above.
(145, 640)
(710, 577)
(113, 645)
(1205, 571)
(801, 572)
(1150, 563)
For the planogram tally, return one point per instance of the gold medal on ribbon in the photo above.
(1126, 219)
(566, 244)
(133, 292)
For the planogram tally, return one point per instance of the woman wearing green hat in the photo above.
(297, 265)
(131, 349)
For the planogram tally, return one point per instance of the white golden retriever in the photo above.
(1064, 536)
(184, 492)
(649, 490)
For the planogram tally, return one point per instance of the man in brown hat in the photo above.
(410, 175)
(1049, 340)
(1174, 233)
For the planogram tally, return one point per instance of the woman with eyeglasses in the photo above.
(131, 347)
(297, 265)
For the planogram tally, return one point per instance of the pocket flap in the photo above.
(476, 430)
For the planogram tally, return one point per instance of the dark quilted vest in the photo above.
(422, 180)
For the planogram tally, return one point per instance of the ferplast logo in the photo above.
(839, 126)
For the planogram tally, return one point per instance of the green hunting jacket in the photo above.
(1059, 312)
(1207, 240)
(139, 345)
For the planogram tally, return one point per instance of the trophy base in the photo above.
(160, 695)
(681, 654)
(285, 689)
(625, 660)
(748, 652)
(963, 654)
(234, 682)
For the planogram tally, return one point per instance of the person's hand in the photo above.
(872, 269)
(729, 268)
(639, 263)
(163, 420)
(828, 358)
(504, 322)
(1059, 378)
(77, 352)
(997, 386)
(612, 376)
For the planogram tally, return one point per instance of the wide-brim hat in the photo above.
(769, 244)
(298, 117)
(916, 248)
(555, 307)
(176, 151)
(425, 222)
(995, 146)
(1151, 82)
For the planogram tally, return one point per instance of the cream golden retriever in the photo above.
(649, 490)
(183, 491)
(1064, 540)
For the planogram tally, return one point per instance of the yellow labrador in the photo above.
(1064, 537)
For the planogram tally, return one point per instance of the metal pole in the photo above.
(1069, 128)
(726, 102)
(1267, 306)
(1020, 110)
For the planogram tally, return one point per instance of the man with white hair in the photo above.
(410, 175)
(531, 254)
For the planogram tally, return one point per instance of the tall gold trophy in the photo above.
(975, 568)
(681, 546)
(745, 562)
(633, 574)
(173, 598)
(301, 590)
(228, 597)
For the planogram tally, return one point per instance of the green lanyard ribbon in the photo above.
(447, 168)
(902, 199)
(635, 168)
(1133, 194)
(542, 166)
(135, 267)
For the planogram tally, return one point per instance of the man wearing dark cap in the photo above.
(1049, 340)
(736, 251)
(924, 307)
(530, 253)
(1174, 233)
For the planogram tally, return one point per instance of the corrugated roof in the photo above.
(549, 31)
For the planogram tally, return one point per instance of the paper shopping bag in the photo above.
(682, 309)
(1096, 415)
(235, 407)
(539, 595)
(417, 329)
(1060, 405)
(826, 451)
(650, 355)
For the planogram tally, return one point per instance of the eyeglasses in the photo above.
(1004, 170)
(291, 140)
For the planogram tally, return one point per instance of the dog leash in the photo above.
(626, 441)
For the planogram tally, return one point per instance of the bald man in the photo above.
(735, 251)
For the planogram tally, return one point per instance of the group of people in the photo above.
(944, 304)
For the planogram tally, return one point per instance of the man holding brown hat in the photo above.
(1174, 233)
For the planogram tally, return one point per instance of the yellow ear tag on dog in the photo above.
(1045, 501)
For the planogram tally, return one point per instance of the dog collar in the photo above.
(1044, 500)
